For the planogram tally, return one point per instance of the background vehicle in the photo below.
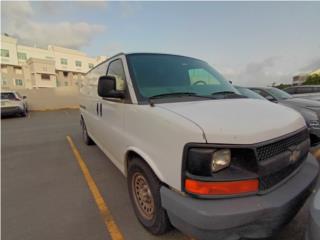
(313, 231)
(249, 93)
(12, 103)
(197, 154)
(308, 91)
(309, 109)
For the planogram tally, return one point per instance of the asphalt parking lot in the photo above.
(46, 196)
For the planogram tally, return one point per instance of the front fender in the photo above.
(146, 158)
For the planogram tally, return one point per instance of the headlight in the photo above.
(314, 123)
(220, 159)
(206, 161)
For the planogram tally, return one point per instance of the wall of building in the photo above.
(9, 44)
(24, 65)
(33, 52)
(51, 98)
(11, 76)
(72, 57)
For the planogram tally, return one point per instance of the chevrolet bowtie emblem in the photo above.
(295, 154)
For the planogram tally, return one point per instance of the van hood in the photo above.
(238, 121)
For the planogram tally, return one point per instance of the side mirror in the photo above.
(107, 88)
(24, 97)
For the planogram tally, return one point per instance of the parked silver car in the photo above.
(249, 93)
(309, 109)
(12, 103)
(308, 91)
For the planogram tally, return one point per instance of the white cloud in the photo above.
(262, 73)
(18, 21)
(113, 48)
(129, 9)
(314, 64)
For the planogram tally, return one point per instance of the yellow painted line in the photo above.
(111, 225)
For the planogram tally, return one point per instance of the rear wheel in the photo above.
(144, 191)
(85, 136)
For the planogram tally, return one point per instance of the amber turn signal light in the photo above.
(221, 188)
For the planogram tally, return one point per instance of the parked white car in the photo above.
(12, 103)
(196, 154)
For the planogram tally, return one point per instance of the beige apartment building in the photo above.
(24, 67)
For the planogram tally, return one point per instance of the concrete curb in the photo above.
(54, 109)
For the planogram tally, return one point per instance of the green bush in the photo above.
(313, 79)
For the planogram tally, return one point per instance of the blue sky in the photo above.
(252, 43)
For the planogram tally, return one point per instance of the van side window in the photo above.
(89, 85)
(116, 70)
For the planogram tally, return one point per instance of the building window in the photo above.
(65, 74)
(45, 77)
(19, 82)
(66, 83)
(64, 61)
(5, 53)
(78, 63)
(22, 56)
(90, 65)
(4, 81)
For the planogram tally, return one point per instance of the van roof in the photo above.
(155, 53)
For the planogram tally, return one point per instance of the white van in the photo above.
(196, 154)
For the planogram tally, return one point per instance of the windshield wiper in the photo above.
(228, 94)
(173, 94)
(177, 94)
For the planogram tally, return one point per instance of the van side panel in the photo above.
(160, 135)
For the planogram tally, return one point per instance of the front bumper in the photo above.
(5, 111)
(257, 216)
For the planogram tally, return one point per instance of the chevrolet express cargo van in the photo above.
(196, 154)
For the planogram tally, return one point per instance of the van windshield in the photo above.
(161, 74)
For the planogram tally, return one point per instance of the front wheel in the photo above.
(85, 136)
(144, 191)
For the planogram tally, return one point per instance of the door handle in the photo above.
(97, 108)
(100, 109)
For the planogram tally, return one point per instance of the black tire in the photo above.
(85, 136)
(158, 222)
(24, 113)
